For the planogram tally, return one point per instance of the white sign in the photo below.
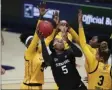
(101, 20)
(30, 11)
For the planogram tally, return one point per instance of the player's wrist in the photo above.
(41, 17)
(42, 40)
(80, 25)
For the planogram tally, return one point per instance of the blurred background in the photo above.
(19, 16)
(23, 14)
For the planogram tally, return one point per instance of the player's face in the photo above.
(93, 41)
(58, 44)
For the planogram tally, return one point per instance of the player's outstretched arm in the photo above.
(91, 60)
(74, 35)
(74, 48)
(31, 50)
(45, 54)
(55, 21)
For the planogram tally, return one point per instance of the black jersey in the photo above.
(64, 70)
(63, 66)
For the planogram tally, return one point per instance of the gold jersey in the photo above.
(99, 73)
(33, 60)
(100, 79)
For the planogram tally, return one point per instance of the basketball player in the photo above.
(60, 31)
(99, 72)
(93, 45)
(62, 63)
(34, 75)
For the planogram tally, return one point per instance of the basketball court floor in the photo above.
(13, 55)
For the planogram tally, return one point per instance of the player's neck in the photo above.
(59, 51)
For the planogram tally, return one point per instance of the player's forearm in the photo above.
(89, 56)
(29, 53)
(51, 46)
(82, 36)
(80, 25)
(31, 50)
(74, 35)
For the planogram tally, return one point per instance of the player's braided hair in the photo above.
(104, 51)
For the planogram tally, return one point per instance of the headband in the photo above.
(28, 39)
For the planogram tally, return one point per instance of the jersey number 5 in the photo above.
(64, 69)
(101, 80)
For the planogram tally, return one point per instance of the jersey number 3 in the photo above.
(100, 83)
(64, 69)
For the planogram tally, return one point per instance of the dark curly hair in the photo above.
(24, 36)
(104, 51)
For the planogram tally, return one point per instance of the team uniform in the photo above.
(63, 67)
(34, 76)
(59, 36)
(99, 73)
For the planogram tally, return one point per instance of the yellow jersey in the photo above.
(100, 79)
(99, 73)
(33, 60)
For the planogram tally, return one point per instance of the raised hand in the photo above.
(56, 17)
(80, 16)
(42, 9)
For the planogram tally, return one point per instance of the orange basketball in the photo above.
(46, 28)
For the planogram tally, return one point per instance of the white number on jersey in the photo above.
(64, 69)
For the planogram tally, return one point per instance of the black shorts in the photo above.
(81, 86)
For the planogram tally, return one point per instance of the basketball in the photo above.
(46, 28)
